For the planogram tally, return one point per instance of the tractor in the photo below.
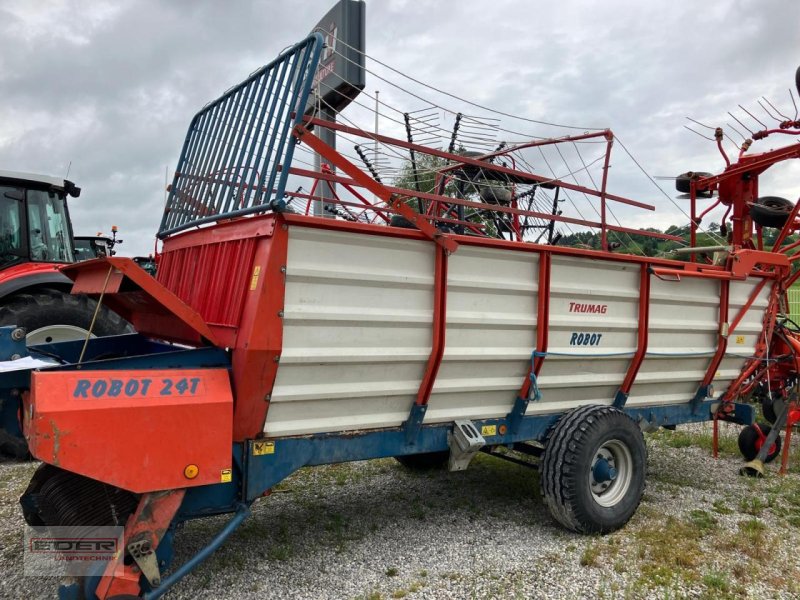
(35, 241)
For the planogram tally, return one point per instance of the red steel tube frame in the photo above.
(402, 192)
(439, 327)
(743, 310)
(603, 236)
(532, 144)
(362, 179)
(644, 325)
(471, 161)
(722, 340)
(787, 227)
(542, 321)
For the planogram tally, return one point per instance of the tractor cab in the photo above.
(34, 220)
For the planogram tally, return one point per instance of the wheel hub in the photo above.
(603, 470)
(610, 473)
(50, 334)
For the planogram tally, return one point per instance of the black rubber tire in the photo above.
(49, 306)
(13, 447)
(748, 438)
(771, 211)
(427, 461)
(768, 409)
(401, 221)
(684, 180)
(570, 449)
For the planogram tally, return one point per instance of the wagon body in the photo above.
(357, 324)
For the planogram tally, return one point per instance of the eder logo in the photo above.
(135, 387)
(73, 545)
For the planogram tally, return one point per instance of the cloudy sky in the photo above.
(110, 87)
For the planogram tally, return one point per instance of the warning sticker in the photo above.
(487, 430)
(254, 278)
(740, 339)
(225, 476)
(262, 448)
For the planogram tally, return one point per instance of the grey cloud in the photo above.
(112, 87)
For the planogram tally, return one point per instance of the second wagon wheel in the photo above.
(593, 469)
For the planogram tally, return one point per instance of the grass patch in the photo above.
(751, 540)
(703, 520)
(680, 438)
(590, 555)
(719, 507)
(752, 505)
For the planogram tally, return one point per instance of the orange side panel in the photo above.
(129, 291)
(143, 430)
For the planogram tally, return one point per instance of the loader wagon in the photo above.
(271, 340)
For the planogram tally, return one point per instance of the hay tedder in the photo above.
(427, 330)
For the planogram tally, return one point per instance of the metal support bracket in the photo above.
(413, 424)
(620, 399)
(514, 418)
(144, 555)
(465, 441)
(703, 392)
(12, 343)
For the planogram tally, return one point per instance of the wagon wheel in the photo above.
(593, 469)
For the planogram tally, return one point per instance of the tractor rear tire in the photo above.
(593, 469)
(50, 315)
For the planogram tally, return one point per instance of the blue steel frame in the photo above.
(236, 156)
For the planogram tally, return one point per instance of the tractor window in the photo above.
(48, 228)
(11, 240)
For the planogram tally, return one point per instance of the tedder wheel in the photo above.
(768, 409)
(683, 183)
(50, 315)
(771, 211)
(593, 469)
(752, 437)
(425, 461)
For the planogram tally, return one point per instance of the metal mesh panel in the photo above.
(229, 164)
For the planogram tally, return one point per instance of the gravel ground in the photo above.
(374, 530)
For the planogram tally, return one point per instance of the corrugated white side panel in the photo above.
(357, 331)
(684, 321)
(682, 339)
(742, 342)
(592, 335)
(491, 332)
(358, 322)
